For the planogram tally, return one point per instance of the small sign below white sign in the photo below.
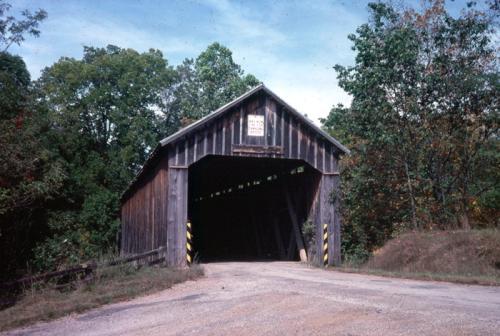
(255, 125)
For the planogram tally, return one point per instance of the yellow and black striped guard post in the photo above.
(325, 245)
(189, 244)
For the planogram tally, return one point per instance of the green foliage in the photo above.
(79, 235)
(309, 232)
(107, 102)
(105, 108)
(30, 176)
(208, 82)
(110, 110)
(14, 82)
(423, 124)
(74, 139)
(12, 30)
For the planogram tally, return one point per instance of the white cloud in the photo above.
(101, 31)
(243, 23)
(310, 88)
(67, 36)
(306, 80)
(290, 46)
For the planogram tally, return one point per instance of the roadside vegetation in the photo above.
(423, 129)
(109, 285)
(469, 257)
(421, 190)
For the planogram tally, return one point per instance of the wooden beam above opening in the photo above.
(254, 149)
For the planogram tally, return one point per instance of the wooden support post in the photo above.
(279, 241)
(291, 241)
(177, 216)
(295, 225)
(328, 213)
(335, 240)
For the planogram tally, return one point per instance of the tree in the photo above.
(30, 176)
(106, 110)
(423, 123)
(207, 83)
(13, 30)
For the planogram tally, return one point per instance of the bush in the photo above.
(475, 252)
(80, 235)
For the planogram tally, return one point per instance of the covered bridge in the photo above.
(247, 176)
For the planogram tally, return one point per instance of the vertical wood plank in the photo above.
(270, 120)
(279, 126)
(311, 150)
(171, 213)
(294, 138)
(123, 223)
(316, 153)
(327, 217)
(177, 216)
(286, 134)
(299, 140)
(243, 124)
(182, 217)
(224, 135)
(181, 159)
(218, 139)
(214, 137)
(210, 140)
(200, 152)
(164, 194)
(205, 142)
(228, 126)
(327, 158)
(237, 127)
(337, 222)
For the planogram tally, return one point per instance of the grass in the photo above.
(469, 279)
(110, 285)
(468, 257)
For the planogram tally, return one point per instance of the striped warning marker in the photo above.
(189, 244)
(325, 245)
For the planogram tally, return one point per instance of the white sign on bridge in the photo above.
(255, 125)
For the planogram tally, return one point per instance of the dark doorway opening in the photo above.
(239, 208)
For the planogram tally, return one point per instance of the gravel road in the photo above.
(285, 298)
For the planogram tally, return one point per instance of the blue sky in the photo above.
(289, 45)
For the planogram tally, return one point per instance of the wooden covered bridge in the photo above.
(247, 176)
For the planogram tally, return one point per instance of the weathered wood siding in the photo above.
(155, 212)
(177, 204)
(324, 212)
(144, 212)
(284, 137)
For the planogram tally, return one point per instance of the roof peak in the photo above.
(221, 110)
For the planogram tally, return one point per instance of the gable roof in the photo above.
(223, 109)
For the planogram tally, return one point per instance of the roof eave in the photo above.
(238, 100)
(180, 133)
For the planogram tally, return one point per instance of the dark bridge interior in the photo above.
(243, 208)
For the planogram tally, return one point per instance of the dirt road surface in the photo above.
(285, 298)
